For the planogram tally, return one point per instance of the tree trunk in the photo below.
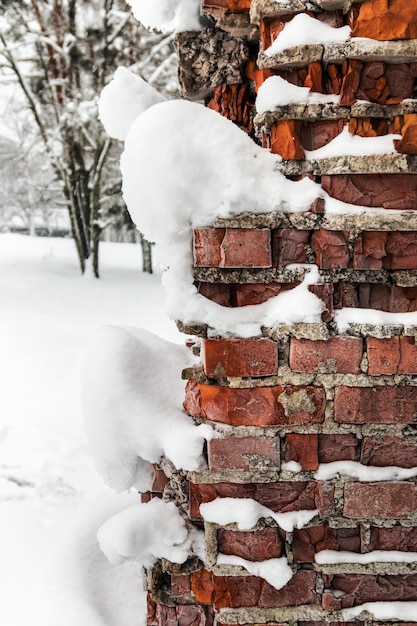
(146, 254)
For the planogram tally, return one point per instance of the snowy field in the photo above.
(51, 499)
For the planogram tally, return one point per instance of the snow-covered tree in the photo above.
(62, 53)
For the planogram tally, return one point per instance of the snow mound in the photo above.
(145, 532)
(132, 397)
(303, 30)
(123, 99)
(167, 15)
(184, 164)
(275, 91)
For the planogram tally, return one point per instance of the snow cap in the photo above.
(123, 99)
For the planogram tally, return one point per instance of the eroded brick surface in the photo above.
(258, 545)
(308, 541)
(346, 590)
(340, 355)
(396, 500)
(302, 449)
(244, 453)
(240, 357)
(379, 405)
(395, 355)
(382, 451)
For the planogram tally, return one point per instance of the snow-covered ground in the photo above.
(51, 498)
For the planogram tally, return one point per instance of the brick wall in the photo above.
(305, 393)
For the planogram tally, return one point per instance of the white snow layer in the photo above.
(145, 532)
(346, 144)
(345, 317)
(384, 610)
(245, 512)
(327, 471)
(167, 15)
(275, 92)
(302, 30)
(127, 93)
(331, 557)
(132, 398)
(276, 572)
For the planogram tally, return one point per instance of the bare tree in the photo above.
(62, 53)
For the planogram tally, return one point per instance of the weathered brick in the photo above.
(216, 292)
(289, 246)
(382, 451)
(246, 591)
(308, 541)
(380, 500)
(185, 615)
(390, 191)
(382, 21)
(347, 590)
(244, 453)
(181, 586)
(258, 545)
(257, 406)
(303, 449)
(403, 538)
(325, 293)
(232, 247)
(256, 293)
(369, 250)
(378, 405)
(285, 139)
(240, 357)
(207, 242)
(279, 497)
(330, 248)
(340, 355)
(395, 355)
(337, 447)
(160, 480)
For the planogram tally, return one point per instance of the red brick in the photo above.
(232, 247)
(380, 500)
(395, 355)
(389, 451)
(325, 293)
(330, 248)
(279, 497)
(289, 246)
(180, 586)
(215, 292)
(244, 453)
(370, 251)
(240, 357)
(251, 294)
(340, 355)
(246, 591)
(207, 242)
(160, 480)
(401, 538)
(390, 191)
(186, 615)
(335, 447)
(402, 251)
(308, 541)
(347, 590)
(378, 405)
(303, 449)
(257, 406)
(258, 545)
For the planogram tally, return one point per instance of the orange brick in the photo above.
(240, 357)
